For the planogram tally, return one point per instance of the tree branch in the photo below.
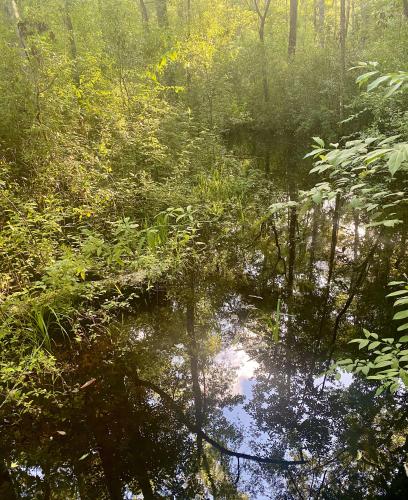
(196, 430)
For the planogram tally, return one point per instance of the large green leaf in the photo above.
(401, 315)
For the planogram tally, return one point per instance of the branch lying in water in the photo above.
(196, 430)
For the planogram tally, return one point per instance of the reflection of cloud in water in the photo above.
(239, 360)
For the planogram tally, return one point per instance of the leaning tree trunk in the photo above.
(292, 28)
(15, 13)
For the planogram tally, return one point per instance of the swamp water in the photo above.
(231, 360)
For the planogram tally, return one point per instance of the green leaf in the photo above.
(389, 139)
(315, 152)
(401, 302)
(344, 361)
(363, 343)
(363, 78)
(393, 89)
(380, 390)
(402, 327)
(398, 292)
(392, 283)
(396, 158)
(401, 315)
(394, 387)
(404, 377)
(373, 345)
(383, 363)
(391, 222)
(319, 141)
(403, 339)
(378, 81)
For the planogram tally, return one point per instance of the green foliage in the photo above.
(395, 81)
(387, 358)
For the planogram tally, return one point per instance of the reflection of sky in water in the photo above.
(243, 383)
(244, 367)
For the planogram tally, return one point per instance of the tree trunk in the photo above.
(144, 483)
(332, 262)
(321, 14)
(261, 30)
(20, 35)
(335, 233)
(193, 351)
(315, 229)
(356, 244)
(405, 8)
(72, 44)
(145, 14)
(161, 12)
(292, 249)
(188, 71)
(342, 55)
(6, 485)
(348, 14)
(292, 28)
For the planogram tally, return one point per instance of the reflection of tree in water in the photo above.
(356, 443)
(116, 435)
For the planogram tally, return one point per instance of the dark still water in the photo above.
(214, 388)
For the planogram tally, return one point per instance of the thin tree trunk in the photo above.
(107, 455)
(73, 52)
(321, 14)
(6, 484)
(348, 13)
(145, 14)
(342, 55)
(335, 233)
(261, 30)
(144, 483)
(193, 351)
(25, 52)
(333, 246)
(20, 35)
(188, 71)
(292, 249)
(315, 229)
(405, 8)
(161, 12)
(356, 244)
(292, 28)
